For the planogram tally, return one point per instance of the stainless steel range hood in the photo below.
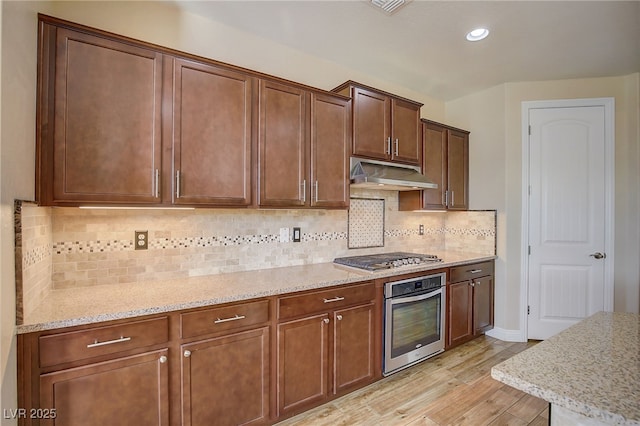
(376, 174)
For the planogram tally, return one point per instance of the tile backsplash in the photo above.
(69, 247)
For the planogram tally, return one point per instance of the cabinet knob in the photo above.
(472, 284)
(187, 354)
(326, 320)
(339, 317)
(163, 359)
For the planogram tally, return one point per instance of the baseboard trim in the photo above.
(507, 335)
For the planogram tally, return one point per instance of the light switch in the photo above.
(284, 235)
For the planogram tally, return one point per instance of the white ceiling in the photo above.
(422, 46)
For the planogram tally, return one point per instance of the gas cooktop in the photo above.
(375, 262)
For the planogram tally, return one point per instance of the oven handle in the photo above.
(414, 297)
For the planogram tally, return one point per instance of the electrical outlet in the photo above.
(141, 240)
(421, 230)
(296, 235)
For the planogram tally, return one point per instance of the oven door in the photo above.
(414, 329)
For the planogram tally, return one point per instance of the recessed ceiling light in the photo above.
(477, 34)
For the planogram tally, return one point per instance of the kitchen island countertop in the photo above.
(591, 369)
(86, 305)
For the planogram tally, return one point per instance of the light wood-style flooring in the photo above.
(454, 388)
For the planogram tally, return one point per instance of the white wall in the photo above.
(494, 118)
(17, 158)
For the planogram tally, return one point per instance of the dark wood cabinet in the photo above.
(303, 363)
(116, 373)
(303, 147)
(225, 372)
(385, 126)
(353, 360)
(282, 144)
(212, 109)
(225, 380)
(100, 120)
(446, 163)
(325, 345)
(330, 150)
(132, 390)
(483, 297)
(459, 313)
(470, 302)
(122, 122)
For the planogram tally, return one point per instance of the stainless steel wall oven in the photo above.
(413, 320)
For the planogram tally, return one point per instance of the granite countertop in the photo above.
(591, 368)
(87, 305)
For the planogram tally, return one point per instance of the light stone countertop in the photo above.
(87, 305)
(591, 368)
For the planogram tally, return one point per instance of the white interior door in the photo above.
(568, 217)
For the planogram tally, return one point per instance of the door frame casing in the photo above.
(609, 134)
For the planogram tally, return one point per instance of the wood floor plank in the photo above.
(528, 408)
(454, 388)
(485, 411)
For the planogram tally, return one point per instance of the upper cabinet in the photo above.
(303, 147)
(100, 120)
(446, 163)
(122, 122)
(211, 135)
(385, 127)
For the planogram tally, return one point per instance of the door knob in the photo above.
(598, 255)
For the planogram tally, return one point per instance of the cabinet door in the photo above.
(303, 354)
(282, 144)
(107, 135)
(211, 135)
(371, 126)
(353, 351)
(483, 304)
(458, 169)
(434, 166)
(225, 381)
(126, 391)
(330, 147)
(460, 320)
(406, 146)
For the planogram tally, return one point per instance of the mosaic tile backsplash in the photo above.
(78, 247)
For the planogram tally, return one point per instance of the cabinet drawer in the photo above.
(468, 272)
(224, 318)
(325, 300)
(78, 345)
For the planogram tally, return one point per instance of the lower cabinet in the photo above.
(253, 362)
(131, 390)
(327, 347)
(470, 302)
(225, 380)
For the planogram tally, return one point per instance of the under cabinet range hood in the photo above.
(374, 174)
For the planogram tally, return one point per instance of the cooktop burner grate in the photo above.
(374, 262)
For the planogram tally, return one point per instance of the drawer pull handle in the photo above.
(234, 318)
(335, 299)
(95, 344)
(475, 271)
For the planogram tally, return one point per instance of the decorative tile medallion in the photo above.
(366, 223)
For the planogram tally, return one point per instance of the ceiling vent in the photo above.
(389, 6)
